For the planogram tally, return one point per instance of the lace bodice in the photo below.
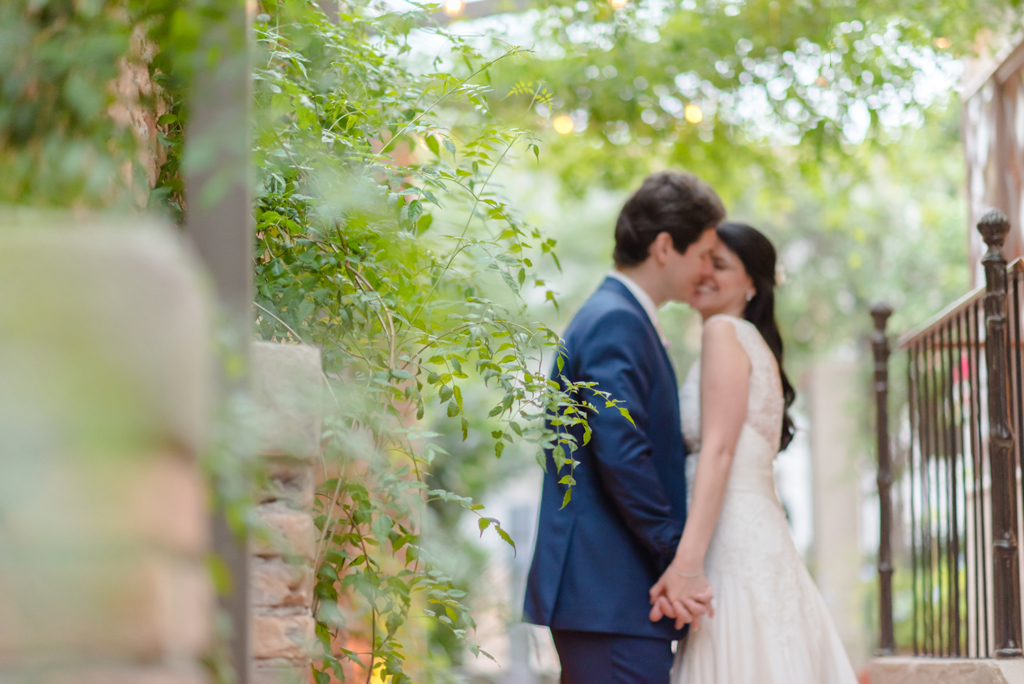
(765, 404)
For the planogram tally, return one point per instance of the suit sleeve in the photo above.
(618, 357)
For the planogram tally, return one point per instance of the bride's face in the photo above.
(725, 290)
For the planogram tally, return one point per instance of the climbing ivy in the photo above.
(382, 237)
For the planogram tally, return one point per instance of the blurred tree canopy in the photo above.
(721, 85)
(833, 126)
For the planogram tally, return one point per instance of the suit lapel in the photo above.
(613, 285)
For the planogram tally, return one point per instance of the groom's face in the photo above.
(686, 270)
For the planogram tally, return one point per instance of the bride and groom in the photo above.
(645, 555)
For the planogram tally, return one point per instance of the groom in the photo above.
(596, 559)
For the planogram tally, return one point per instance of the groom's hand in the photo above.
(688, 611)
(685, 599)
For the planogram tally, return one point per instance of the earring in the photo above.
(751, 294)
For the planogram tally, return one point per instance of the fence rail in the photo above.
(958, 477)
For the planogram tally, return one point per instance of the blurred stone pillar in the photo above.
(836, 558)
(105, 363)
(519, 669)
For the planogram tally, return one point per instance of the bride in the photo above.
(767, 622)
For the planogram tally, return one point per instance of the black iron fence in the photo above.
(958, 476)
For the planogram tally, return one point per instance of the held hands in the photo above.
(684, 598)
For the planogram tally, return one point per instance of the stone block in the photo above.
(113, 606)
(290, 480)
(126, 675)
(276, 583)
(287, 388)
(283, 636)
(107, 504)
(280, 672)
(287, 532)
(111, 350)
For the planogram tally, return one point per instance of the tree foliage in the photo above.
(780, 84)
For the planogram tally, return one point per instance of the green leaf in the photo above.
(450, 146)
(453, 409)
(504, 535)
(566, 498)
(499, 447)
(432, 145)
(625, 414)
(484, 523)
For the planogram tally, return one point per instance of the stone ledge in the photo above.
(287, 388)
(909, 670)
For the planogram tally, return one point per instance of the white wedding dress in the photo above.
(770, 625)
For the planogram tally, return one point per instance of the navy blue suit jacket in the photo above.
(595, 560)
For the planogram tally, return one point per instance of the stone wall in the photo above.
(104, 369)
(287, 388)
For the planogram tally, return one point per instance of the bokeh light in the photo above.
(453, 7)
(693, 114)
(618, 4)
(563, 124)
(942, 43)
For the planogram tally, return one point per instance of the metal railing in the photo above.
(958, 475)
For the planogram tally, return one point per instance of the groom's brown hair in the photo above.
(672, 202)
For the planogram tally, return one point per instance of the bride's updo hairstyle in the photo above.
(758, 256)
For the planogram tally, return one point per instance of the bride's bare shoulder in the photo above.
(720, 329)
(720, 341)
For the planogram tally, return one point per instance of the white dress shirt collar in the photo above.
(645, 301)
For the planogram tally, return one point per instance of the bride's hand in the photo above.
(684, 598)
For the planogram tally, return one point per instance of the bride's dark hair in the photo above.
(758, 256)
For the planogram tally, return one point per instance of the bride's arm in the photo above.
(724, 388)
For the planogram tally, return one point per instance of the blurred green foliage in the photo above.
(380, 238)
(385, 229)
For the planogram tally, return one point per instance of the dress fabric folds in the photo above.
(771, 625)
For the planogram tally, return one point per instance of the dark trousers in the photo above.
(595, 658)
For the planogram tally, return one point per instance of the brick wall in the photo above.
(287, 388)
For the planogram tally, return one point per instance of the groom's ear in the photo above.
(660, 250)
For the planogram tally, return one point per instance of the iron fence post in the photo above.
(993, 227)
(880, 345)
